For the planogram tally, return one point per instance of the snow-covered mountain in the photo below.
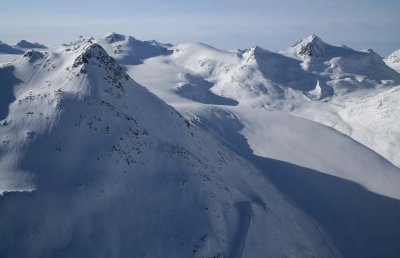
(11, 52)
(336, 69)
(7, 49)
(128, 50)
(393, 60)
(87, 153)
(94, 164)
(340, 61)
(23, 44)
(320, 88)
(19, 48)
(365, 88)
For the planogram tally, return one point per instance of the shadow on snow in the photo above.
(362, 223)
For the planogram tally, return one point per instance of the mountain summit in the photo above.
(311, 46)
(113, 37)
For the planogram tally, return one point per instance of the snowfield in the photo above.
(117, 147)
(393, 60)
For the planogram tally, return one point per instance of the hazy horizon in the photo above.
(224, 24)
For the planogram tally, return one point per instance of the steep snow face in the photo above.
(393, 60)
(94, 164)
(23, 44)
(7, 49)
(130, 51)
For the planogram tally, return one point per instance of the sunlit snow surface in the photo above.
(259, 154)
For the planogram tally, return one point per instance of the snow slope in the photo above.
(93, 164)
(362, 224)
(368, 116)
(393, 60)
(332, 164)
(361, 166)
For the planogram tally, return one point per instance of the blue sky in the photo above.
(225, 24)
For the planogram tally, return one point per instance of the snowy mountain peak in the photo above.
(76, 44)
(253, 52)
(94, 54)
(128, 50)
(314, 38)
(257, 49)
(29, 45)
(311, 46)
(33, 55)
(114, 37)
(318, 56)
(88, 51)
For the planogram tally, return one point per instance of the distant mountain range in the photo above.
(19, 48)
